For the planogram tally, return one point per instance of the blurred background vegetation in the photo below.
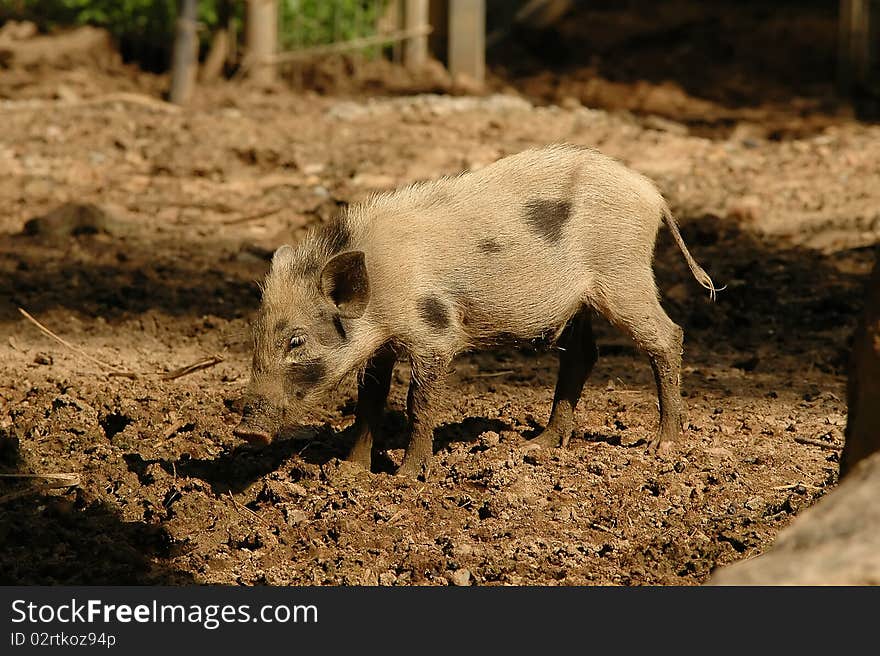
(144, 29)
(304, 23)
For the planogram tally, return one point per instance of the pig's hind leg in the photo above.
(577, 355)
(634, 307)
(373, 386)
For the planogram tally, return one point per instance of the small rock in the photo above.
(510, 437)
(387, 578)
(43, 358)
(564, 515)
(489, 439)
(462, 549)
(66, 94)
(313, 168)
(661, 124)
(297, 490)
(719, 452)
(460, 577)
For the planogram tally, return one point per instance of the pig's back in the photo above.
(515, 247)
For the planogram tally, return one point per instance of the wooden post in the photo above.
(467, 39)
(863, 388)
(185, 58)
(854, 44)
(262, 39)
(415, 16)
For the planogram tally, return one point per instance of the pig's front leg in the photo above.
(373, 386)
(428, 377)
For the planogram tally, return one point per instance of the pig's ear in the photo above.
(345, 282)
(282, 257)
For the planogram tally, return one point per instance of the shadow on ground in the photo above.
(59, 539)
(118, 278)
(235, 470)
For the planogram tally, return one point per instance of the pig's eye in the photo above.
(296, 341)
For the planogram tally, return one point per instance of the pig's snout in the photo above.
(250, 432)
(258, 423)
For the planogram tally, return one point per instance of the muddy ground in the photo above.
(190, 205)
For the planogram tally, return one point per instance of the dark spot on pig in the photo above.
(329, 330)
(298, 376)
(340, 329)
(280, 325)
(547, 217)
(489, 246)
(433, 312)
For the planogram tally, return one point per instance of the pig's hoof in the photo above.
(549, 439)
(661, 446)
(417, 468)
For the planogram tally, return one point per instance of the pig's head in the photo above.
(311, 300)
